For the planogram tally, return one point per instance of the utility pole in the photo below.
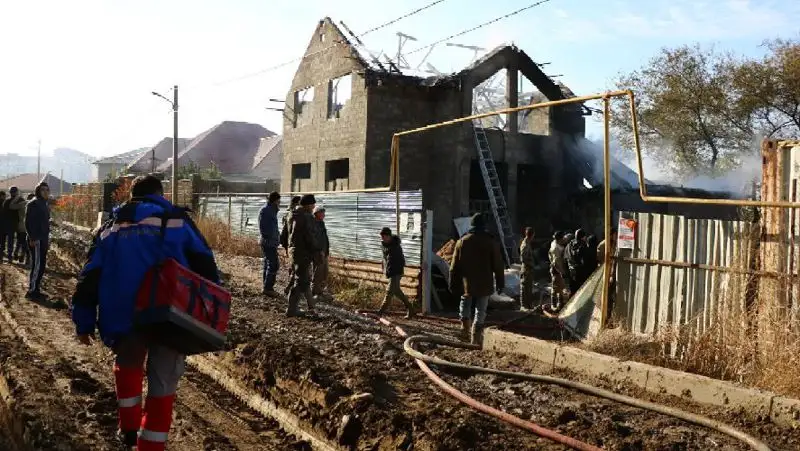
(39, 162)
(174, 103)
(61, 184)
(175, 144)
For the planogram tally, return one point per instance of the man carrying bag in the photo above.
(141, 235)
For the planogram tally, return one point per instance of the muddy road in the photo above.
(346, 377)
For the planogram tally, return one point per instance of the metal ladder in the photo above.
(491, 181)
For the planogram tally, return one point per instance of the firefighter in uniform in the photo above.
(526, 274)
(139, 234)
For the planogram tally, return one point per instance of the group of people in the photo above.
(573, 258)
(304, 237)
(25, 232)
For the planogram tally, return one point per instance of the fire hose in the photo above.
(423, 360)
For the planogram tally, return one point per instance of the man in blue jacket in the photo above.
(270, 240)
(37, 225)
(139, 235)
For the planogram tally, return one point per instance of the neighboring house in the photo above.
(27, 184)
(115, 164)
(230, 146)
(268, 160)
(155, 156)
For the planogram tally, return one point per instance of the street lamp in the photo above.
(174, 103)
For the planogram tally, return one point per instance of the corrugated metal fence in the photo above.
(353, 220)
(682, 271)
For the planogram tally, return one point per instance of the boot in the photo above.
(310, 300)
(384, 306)
(465, 325)
(477, 334)
(411, 312)
(294, 301)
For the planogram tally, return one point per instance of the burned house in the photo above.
(344, 106)
(342, 111)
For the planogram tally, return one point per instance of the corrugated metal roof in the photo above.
(353, 220)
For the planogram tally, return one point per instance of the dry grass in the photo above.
(219, 237)
(752, 336)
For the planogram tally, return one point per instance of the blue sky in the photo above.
(79, 73)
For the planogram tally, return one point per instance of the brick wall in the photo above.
(311, 136)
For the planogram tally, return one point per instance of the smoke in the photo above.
(738, 181)
(624, 167)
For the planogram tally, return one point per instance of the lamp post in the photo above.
(174, 103)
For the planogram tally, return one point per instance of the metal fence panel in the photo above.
(668, 285)
(353, 220)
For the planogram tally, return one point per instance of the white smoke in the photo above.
(738, 181)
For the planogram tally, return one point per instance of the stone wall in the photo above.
(310, 135)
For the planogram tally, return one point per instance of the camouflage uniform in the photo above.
(526, 274)
(303, 246)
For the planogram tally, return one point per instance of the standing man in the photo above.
(526, 274)
(3, 225)
(11, 208)
(476, 272)
(270, 240)
(37, 225)
(320, 262)
(559, 273)
(394, 265)
(579, 260)
(22, 251)
(302, 248)
(293, 204)
(138, 236)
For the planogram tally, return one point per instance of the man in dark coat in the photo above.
(320, 264)
(11, 207)
(37, 225)
(3, 221)
(394, 264)
(580, 259)
(302, 247)
(270, 240)
(284, 238)
(476, 271)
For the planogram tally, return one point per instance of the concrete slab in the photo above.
(501, 341)
(700, 389)
(705, 390)
(630, 373)
(785, 411)
(585, 362)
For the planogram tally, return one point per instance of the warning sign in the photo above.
(626, 233)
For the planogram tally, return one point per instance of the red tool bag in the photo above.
(178, 308)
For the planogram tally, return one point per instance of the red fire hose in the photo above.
(422, 360)
(479, 406)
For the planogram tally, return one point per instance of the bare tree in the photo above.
(687, 110)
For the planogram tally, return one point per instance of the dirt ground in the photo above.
(65, 391)
(346, 377)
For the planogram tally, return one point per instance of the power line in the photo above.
(477, 27)
(335, 44)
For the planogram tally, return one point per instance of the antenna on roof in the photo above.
(402, 38)
(361, 44)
